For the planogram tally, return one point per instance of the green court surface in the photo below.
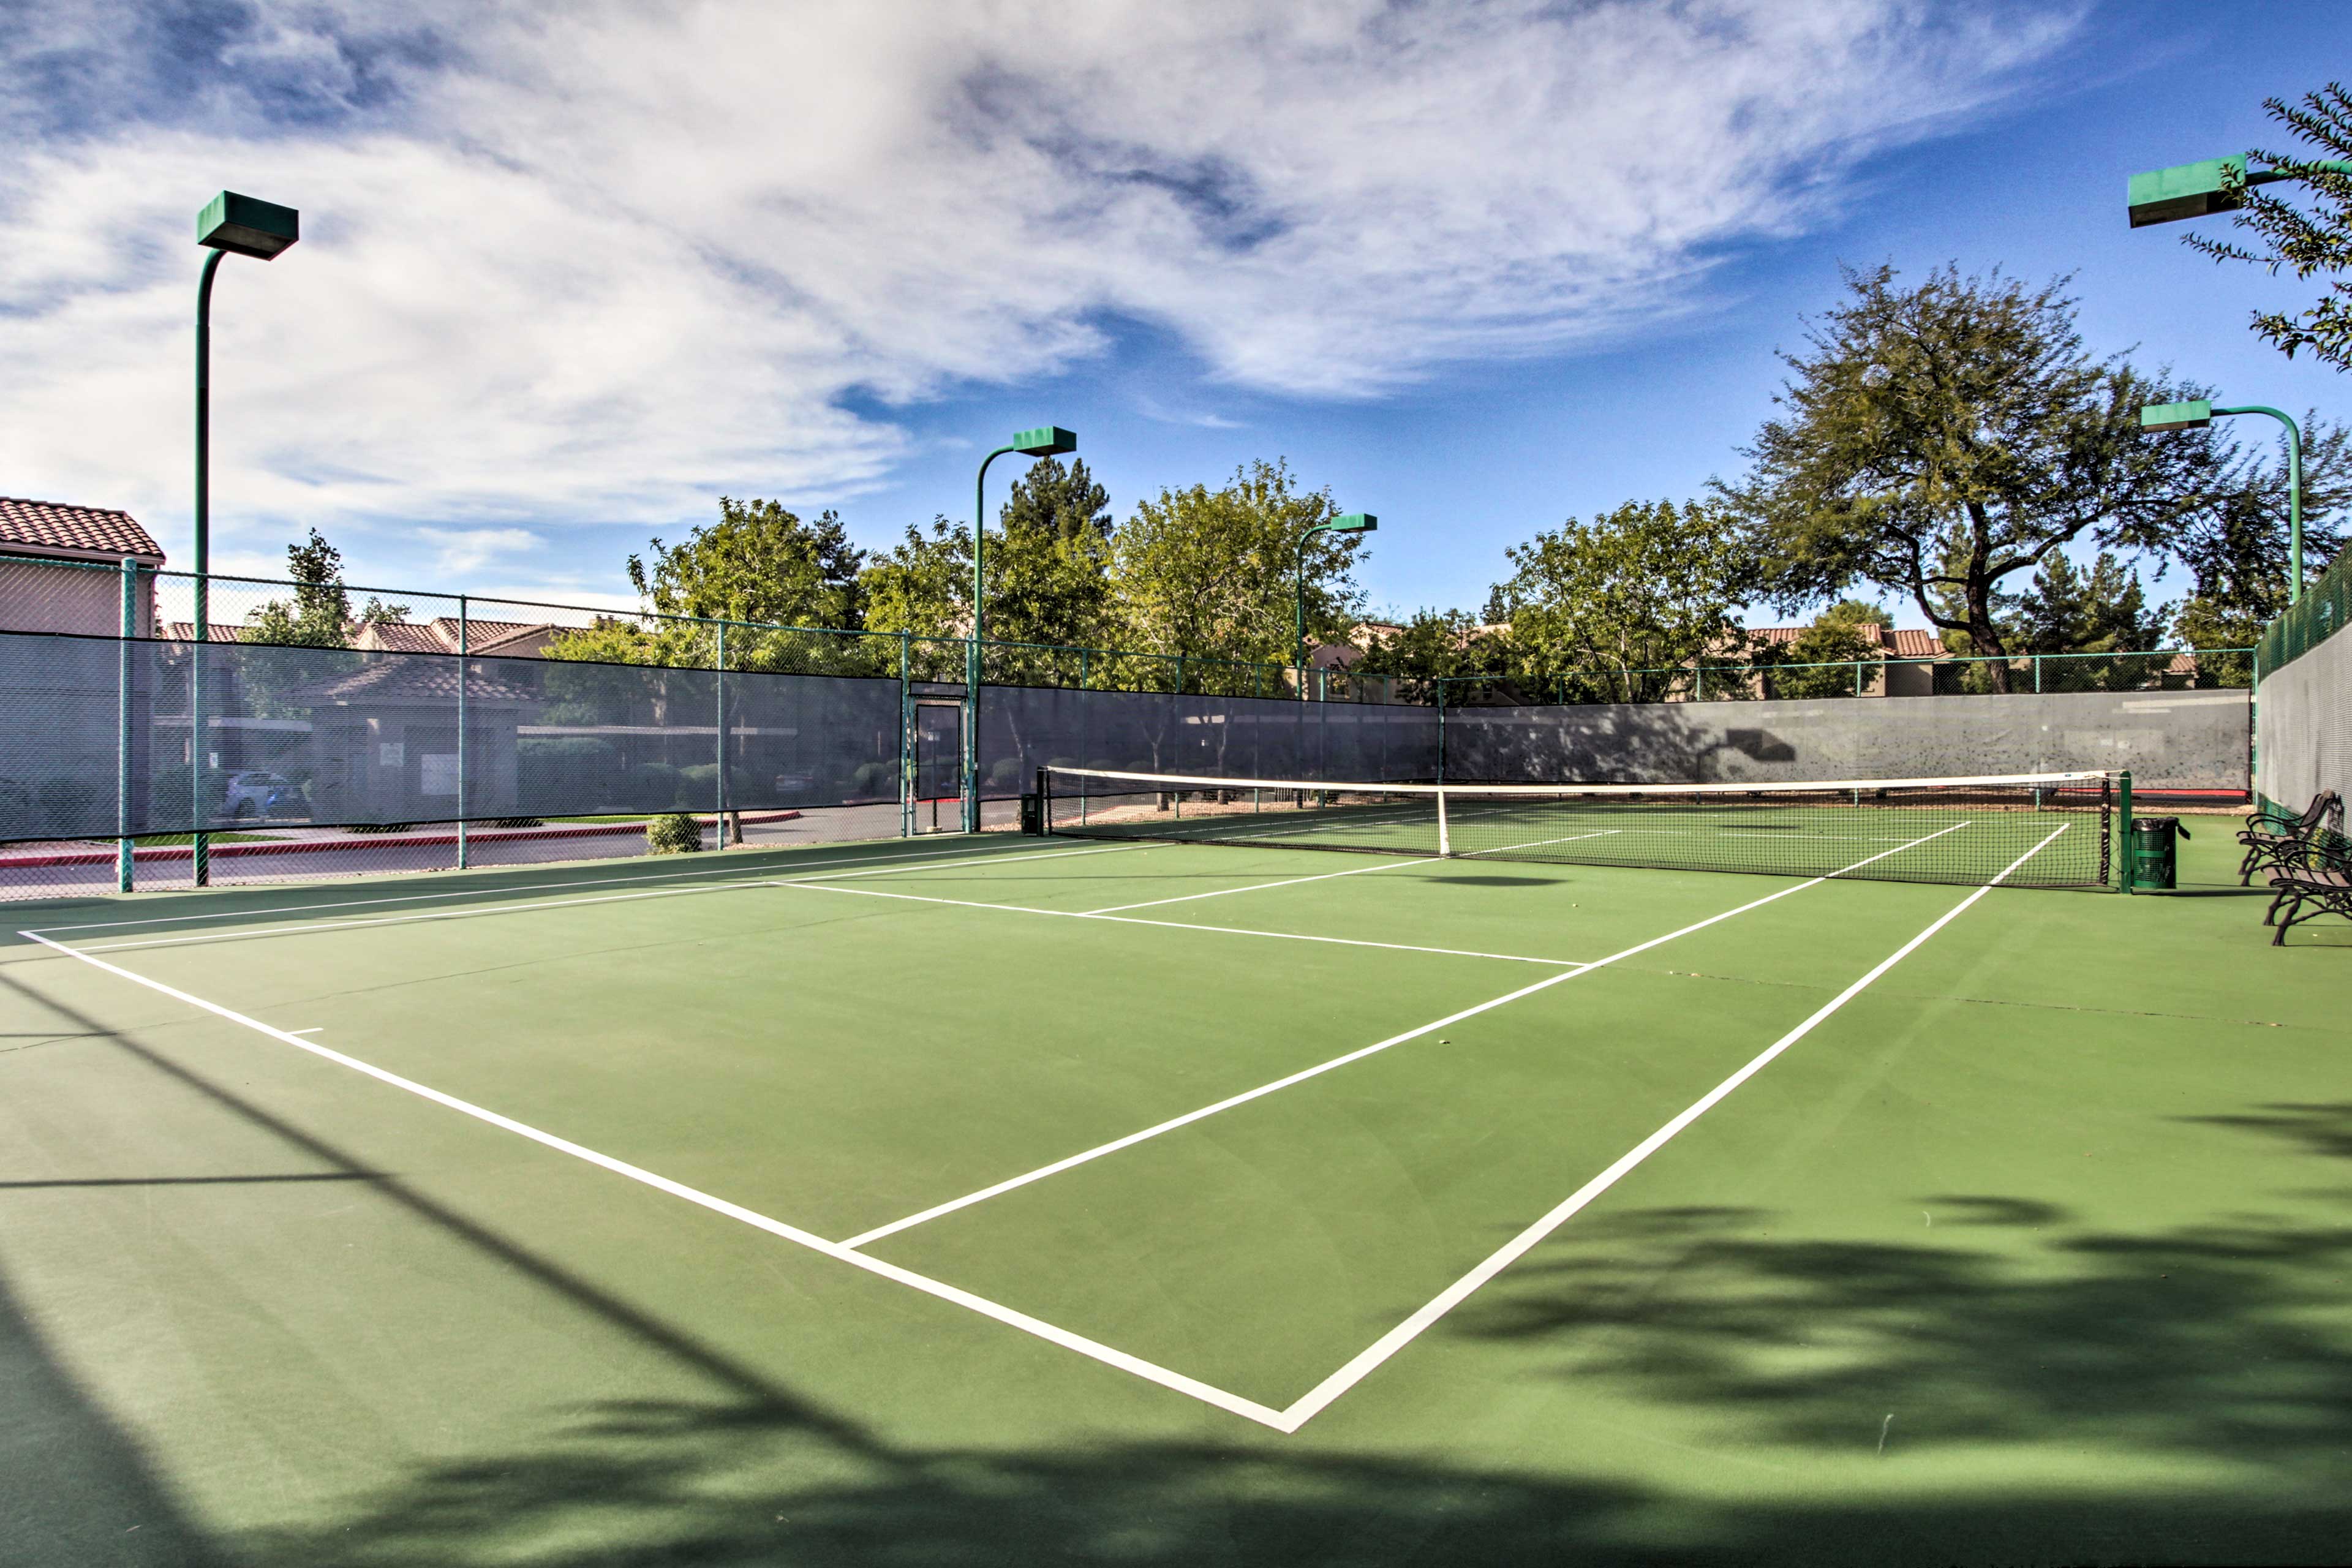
(1008, 1200)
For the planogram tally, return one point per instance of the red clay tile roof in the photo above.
(1918, 642)
(92, 532)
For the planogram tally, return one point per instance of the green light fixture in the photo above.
(1346, 522)
(2198, 413)
(1043, 441)
(230, 224)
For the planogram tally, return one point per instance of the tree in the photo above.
(923, 587)
(1049, 569)
(1944, 437)
(320, 615)
(2104, 610)
(760, 563)
(1433, 643)
(1627, 600)
(2308, 244)
(1212, 574)
(1818, 662)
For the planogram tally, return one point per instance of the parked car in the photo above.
(259, 793)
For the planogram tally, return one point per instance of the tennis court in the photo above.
(1004, 1198)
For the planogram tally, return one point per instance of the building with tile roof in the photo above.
(53, 561)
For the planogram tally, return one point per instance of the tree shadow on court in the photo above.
(2005, 1323)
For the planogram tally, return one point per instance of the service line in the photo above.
(1085, 1156)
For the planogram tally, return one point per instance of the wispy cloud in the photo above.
(463, 550)
(600, 262)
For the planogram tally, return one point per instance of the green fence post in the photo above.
(2037, 675)
(906, 738)
(1082, 670)
(464, 681)
(1180, 675)
(199, 843)
(719, 796)
(1698, 682)
(123, 857)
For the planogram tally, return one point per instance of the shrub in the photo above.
(672, 833)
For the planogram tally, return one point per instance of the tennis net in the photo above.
(2046, 830)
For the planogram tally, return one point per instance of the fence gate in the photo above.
(939, 766)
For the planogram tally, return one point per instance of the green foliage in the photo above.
(2104, 610)
(923, 585)
(320, 615)
(1049, 569)
(1213, 574)
(2309, 244)
(1940, 438)
(672, 833)
(1626, 599)
(1434, 645)
(1837, 639)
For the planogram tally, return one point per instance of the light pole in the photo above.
(1346, 522)
(240, 226)
(2197, 413)
(1044, 441)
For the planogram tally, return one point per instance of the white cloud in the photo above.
(601, 262)
(464, 549)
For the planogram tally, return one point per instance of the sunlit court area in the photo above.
(1359, 785)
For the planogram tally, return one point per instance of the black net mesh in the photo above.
(2045, 832)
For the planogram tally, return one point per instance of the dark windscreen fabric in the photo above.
(1023, 728)
(340, 737)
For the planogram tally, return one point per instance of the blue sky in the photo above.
(1477, 268)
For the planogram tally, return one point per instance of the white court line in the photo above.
(1150, 1372)
(1172, 1123)
(739, 868)
(1252, 887)
(1304, 1409)
(1537, 843)
(355, 922)
(319, 1030)
(1184, 925)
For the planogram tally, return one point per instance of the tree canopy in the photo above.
(2314, 243)
(1627, 599)
(1212, 574)
(1940, 438)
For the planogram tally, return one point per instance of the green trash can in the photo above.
(2152, 850)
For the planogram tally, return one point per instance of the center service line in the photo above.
(1172, 1123)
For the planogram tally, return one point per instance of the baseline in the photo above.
(740, 884)
(484, 892)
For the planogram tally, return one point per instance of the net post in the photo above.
(2122, 852)
(1440, 731)
(123, 857)
(1445, 841)
(463, 646)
